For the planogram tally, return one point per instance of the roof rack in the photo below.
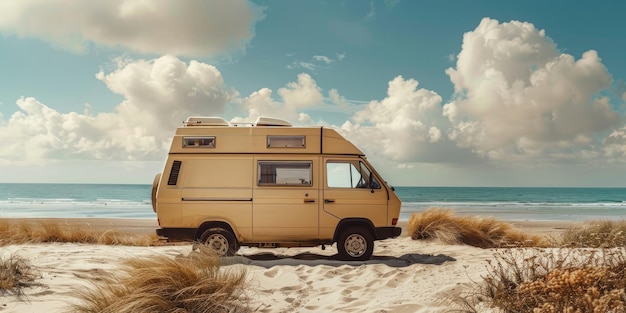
(205, 121)
(218, 121)
(270, 121)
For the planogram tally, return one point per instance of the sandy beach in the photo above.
(404, 275)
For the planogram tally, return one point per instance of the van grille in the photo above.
(173, 179)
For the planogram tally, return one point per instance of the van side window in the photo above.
(293, 173)
(346, 174)
(286, 141)
(199, 142)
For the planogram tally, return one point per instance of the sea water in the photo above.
(504, 203)
(76, 200)
(519, 204)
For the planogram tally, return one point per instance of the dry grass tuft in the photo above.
(445, 226)
(16, 274)
(552, 280)
(24, 231)
(595, 234)
(164, 284)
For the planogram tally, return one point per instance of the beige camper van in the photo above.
(268, 184)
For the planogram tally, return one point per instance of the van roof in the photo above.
(212, 135)
(218, 121)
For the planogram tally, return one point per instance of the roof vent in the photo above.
(269, 121)
(205, 121)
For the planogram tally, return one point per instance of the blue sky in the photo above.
(441, 93)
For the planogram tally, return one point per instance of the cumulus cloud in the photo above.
(615, 146)
(301, 94)
(400, 126)
(296, 97)
(158, 95)
(190, 28)
(517, 96)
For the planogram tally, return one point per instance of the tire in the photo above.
(222, 241)
(355, 244)
(155, 186)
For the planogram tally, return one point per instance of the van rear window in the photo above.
(292, 173)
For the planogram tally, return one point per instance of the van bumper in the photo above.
(177, 233)
(387, 232)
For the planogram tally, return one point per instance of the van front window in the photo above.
(346, 174)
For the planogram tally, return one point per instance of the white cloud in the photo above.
(518, 97)
(615, 146)
(323, 58)
(296, 97)
(159, 95)
(301, 64)
(403, 126)
(316, 61)
(190, 28)
(338, 100)
(301, 94)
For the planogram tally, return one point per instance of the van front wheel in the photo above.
(222, 241)
(355, 244)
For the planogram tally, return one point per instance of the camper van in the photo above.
(269, 184)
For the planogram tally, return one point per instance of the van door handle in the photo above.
(329, 201)
(309, 200)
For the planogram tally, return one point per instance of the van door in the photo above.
(286, 199)
(351, 190)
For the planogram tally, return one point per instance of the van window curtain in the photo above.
(268, 174)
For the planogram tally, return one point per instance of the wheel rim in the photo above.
(355, 245)
(219, 243)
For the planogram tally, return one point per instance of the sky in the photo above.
(436, 93)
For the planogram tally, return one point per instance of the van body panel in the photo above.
(334, 143)
(217, 173)
(211, 190)
(237, 214)
(344, 198)
(288, 208)
(168, 198)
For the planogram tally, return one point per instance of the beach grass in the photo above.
(444, 225)
(193, 283)
(595, 234)
(16, 274)
(33, 231)
(582, 270)
(537, 280)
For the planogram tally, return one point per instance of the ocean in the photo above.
(504, 203)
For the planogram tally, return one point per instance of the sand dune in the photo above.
(404, 275)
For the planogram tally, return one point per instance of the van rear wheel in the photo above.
(222, 241)
(355, 244)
